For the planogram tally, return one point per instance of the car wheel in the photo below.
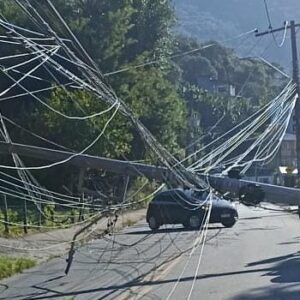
(194, 222)
(153, 223)
(186, 225)
(251, 194)
(228, 222)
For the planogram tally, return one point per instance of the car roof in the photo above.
(171, 191)
(178, 191)
(216, 201)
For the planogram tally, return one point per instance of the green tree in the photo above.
(78, 134)
(155, 101)
(116, 34)
(153, 21)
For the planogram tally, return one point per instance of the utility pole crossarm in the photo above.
(275, 30)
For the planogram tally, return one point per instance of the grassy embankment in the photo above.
(13, 265)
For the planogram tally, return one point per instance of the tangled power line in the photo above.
(45, 49)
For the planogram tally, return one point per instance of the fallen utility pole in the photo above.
(235, 188)
(89, 161)
(292, 27)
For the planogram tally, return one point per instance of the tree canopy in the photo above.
(126, 35)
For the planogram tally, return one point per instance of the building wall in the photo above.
(215, 86)
(288, 155)
(262, 179)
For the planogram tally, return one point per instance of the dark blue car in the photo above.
(188, 207)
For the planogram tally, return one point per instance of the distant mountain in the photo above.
(223, 19)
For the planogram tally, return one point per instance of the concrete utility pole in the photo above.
(272, 193)
(292, 26)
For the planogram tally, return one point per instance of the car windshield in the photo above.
(199, 195)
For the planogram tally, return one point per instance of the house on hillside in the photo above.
(214, 85)
(263, 175)
(282, 169)
(284, 164)
(288, 154)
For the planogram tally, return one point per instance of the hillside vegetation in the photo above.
(220, 20)
(122, 35)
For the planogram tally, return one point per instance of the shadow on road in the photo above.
(44, 291)
(272, 215)
(284, 274)
(285, 269)
(261, 228)
(169, 230)
(3, 287)
(291, 292)
(296, 240)
(273, 259)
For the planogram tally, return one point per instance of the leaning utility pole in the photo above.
(292, 26)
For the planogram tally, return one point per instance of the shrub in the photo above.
(13, 265)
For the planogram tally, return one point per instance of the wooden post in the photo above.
(6, 220)
(73, 216)
(40, 211)
(25, 217)
(81, 179)
(81, 211)
(125, 187)
(52, 215)
(93, 204)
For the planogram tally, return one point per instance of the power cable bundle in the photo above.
(45, 49)
(266, 128)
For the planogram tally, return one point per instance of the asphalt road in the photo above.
(259, 258)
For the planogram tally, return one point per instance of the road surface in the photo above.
(258, 258)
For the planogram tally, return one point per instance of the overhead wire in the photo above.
(286, 23)
(197, 242)
(275, 138)
(274, 67)
(17, 82)
(157, 149)
(238, 140)
(178, 55)
(236, 97)
(256, 115)
(269, 64)
(247, 131)
(35, 135)
(148, 136)
(202, 249)
(159, 152)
